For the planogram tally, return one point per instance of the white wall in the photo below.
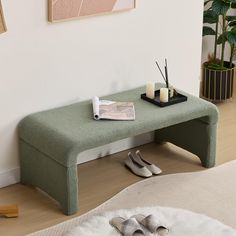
(45, 65)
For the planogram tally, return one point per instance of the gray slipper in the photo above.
(152, 224)
(128, 227)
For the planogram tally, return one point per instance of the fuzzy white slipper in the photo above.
(128, 227)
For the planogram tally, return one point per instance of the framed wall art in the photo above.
(3, 27)
(60, 10)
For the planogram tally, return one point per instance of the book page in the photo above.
(111, 110)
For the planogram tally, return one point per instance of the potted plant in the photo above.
(218, 73)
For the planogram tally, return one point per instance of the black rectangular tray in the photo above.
(174, 100)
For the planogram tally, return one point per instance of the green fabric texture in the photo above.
(195, 136)
(59, 181)
(58, 135)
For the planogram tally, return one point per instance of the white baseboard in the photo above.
(12, 176)
(115, 147)
(9, 177)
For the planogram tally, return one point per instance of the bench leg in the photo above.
(59, 181)
(195, 136)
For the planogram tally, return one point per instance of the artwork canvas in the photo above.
(3, 27)
(68, 9)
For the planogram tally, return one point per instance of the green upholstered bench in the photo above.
(50, 141)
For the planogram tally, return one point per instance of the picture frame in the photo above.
(63, 10)
(3, 27)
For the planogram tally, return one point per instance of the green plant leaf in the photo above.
(233, 1)
(232, 23)
(221, 39)
(208, 31)
(233, 29)
(220, 7)
(231, 37)
(210, 17)
(233, 5)
(230, 18)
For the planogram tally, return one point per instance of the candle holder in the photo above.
(177, 98)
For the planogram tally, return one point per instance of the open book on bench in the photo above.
(111, 110)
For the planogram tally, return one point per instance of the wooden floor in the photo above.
(101, 179)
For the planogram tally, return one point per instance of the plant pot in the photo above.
(218, 84)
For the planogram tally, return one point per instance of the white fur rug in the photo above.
(180, 223)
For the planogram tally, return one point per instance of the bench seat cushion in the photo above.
(63, 132)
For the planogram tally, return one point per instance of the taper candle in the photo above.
(164, 95)
(150, 90)
(171, 91)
